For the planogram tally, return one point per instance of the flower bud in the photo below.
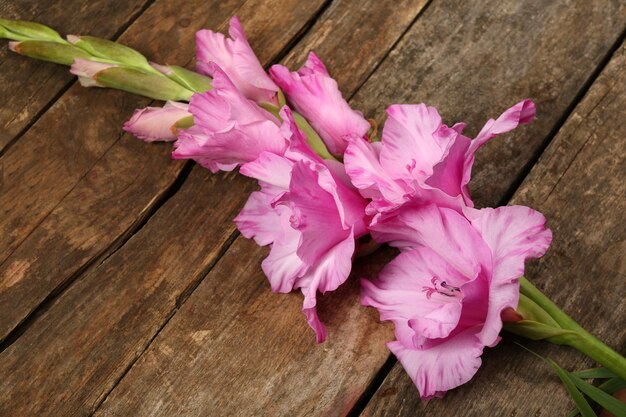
(59, 53)
(148, 84)
(21, 30)
(110, 51)
(191, 80)
(159, 123)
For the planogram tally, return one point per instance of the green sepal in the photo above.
(148, 84)
(59, 53)
(191, 80)
(538, 331)
(21, 30)
(184, 123)
(111, 52)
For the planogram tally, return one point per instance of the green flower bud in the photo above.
(21, 30)
(110, 51)
(143, 83)
(59, 53)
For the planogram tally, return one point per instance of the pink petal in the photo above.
(399, 293)
(317, 97)
(443, 366)
(237, 59)
(514, 234)
(258, 220)
(521, 113)
(228, 129)
(225, 150)
(157, 123)
(412, 143)
(283, 266)
(328, 274)
(444, 230)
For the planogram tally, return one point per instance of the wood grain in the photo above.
(579, 184)
(75, 186)
(28, 86)
(474, 59)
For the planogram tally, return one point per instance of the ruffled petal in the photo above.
(444, 230)
(237, 59)
(514, 234)
(443, 366)
(317, 97)
(328, 274)
(407, 292)
(412, 141)
(521, 113)
(258, 220)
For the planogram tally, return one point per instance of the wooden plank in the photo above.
(160, 258)
(204, 352)
(473, 59)
(27, 86)
(580, 184)
(75, 186)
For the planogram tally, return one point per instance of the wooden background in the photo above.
(125, 289)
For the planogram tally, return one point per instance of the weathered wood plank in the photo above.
(27, 86)
(580, 184)
(176, 365)
(474, 59)
(74, 184)
(174, 266)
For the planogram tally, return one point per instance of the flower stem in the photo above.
(578, 338)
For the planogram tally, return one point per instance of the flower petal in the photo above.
(514, 234)
(328, 274)
(237, 59)
(443, 366)
(317, 97)
(405, 292)
(412, 141)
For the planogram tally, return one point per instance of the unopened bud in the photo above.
(21, 30)
(59, 53)
(158, 123)
(143, 83)
(191, 80)
(110, 51)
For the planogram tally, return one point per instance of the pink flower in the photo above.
(445, 293)
(157, 123)
(228, 129)
(86, 71)
(315, 95)
(310, 214)
(236, 58)
(420, 157)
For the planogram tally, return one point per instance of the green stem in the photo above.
(579, 338)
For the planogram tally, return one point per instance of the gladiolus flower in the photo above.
(420, 157)
(157, 123)
(310, 214)
(237, 59)
(228, 129)
(315, 95)
(445, 293)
